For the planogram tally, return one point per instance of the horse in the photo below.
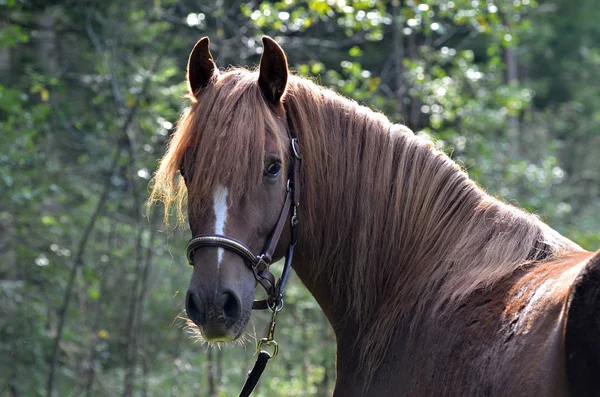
(432, 286)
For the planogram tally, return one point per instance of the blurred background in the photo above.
(92, 281)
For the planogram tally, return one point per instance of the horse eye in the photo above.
(272, 169)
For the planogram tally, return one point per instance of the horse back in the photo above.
(551, 329)
(582, 331)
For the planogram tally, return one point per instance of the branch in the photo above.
(77, 262)
(78, 258)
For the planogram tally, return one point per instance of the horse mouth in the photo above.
(210, 334)
(219, 331)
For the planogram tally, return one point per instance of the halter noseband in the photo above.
(259, 264)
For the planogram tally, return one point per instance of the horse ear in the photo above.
(201, 66)
(273, 73)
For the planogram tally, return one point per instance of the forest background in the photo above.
(92, 283)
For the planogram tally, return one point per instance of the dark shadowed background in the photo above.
(92, 282)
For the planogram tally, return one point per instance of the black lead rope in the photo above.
(263, 356)
(254, 375)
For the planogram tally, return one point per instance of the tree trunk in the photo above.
(46, 51)
(324, 387)
(131, 323)
(141, 300)
(510, 60)
(5, 58)
(415, 108)
(12, 388)
(398, 43)
(90, 363)
(210, 373)
(219, 370)
(145, 371)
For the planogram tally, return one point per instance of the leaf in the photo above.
(48, 220)
(130, 99)
(93, 293)
(355, 51)
(44, 94)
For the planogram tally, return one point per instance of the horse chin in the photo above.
(221, 334)
(218, 338)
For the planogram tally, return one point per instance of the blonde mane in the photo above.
(396, 226)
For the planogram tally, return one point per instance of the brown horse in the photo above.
(433, 288)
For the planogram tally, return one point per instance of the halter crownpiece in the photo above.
(259, 264)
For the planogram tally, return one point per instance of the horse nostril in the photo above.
(195, 309)
(231, 306)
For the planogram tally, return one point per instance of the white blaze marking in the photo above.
(220, 206)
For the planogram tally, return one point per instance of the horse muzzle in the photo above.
(218, 316)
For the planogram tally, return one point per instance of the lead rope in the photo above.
(276, 304)
(263, 358)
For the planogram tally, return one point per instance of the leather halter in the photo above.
(259, 264)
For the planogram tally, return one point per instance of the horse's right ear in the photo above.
(273, 73)
(201, 66)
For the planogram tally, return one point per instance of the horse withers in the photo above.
(433, 287)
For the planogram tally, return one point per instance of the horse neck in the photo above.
(392, 225)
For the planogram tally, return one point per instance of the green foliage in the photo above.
(71, 74)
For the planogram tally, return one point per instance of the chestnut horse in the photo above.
(433, 287)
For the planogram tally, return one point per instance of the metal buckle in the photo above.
(294, 220)
(270, 339)
(275, 304)
(272, 343)
(260, 264)
(296, 148)
(258, 267)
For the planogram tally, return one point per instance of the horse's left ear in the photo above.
(201, 67)
(273, 73)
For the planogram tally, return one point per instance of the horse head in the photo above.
(234, 162)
